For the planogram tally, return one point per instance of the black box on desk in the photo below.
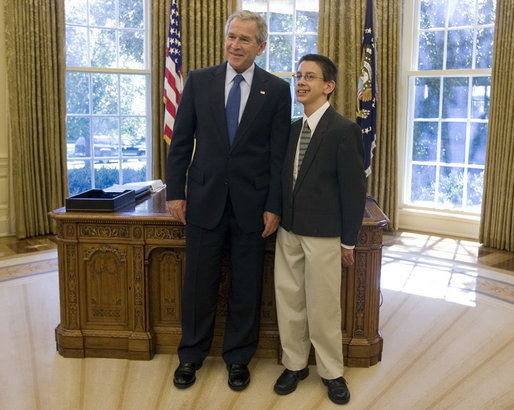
(100, 201)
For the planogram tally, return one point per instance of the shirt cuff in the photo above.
(347, 246)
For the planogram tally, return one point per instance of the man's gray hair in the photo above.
(246, 15)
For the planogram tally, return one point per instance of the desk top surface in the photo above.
(152, 208)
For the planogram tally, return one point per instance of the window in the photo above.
(448, 82)
(107, 93)
(292, 33)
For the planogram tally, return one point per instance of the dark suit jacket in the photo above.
(250, 169)
(329, 196)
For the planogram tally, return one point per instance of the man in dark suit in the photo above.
(324, 194)
(230, 137)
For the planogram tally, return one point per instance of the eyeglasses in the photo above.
(306, 77)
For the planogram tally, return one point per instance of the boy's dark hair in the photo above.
(328, 68)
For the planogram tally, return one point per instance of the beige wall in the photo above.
(4, 146)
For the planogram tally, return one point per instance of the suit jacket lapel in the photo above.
(291, 154)
(312, 149)
(256, 99)
(217, 102)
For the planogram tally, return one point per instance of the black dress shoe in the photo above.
(238, 376)
(185, 375)
(289, 379)
(337, 390)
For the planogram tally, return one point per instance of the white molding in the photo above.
(441, 223)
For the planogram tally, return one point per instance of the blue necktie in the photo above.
(232, 108)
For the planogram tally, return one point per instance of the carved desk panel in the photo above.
(120, 282)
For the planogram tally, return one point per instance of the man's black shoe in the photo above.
(289, 379)
(238, 376)
(337, 390)
(185, 375)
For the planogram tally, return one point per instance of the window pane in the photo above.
(459, 49)
(451, 186)
(105, 137)
(76, 11)
(132, 94)
(77, 137)
(79, 176)
(102, 13)
(430, 50)
(455, 97)
(281, 53)
(133, 136)
(103, 48)
(477, 144)
(427, 97)
(480, 96)
(281, 16)
(305, 44)
(306, 21)
(475, 186)
(105, 93)
(131, 13)
(431, 13)
(424, 145)
(486, 11)
(453, 142)
(77, 93)
(132, 49)
(461, 12)
(133, 170)
(422, 182)
(76, 47)
(106, 175)
(484, 53)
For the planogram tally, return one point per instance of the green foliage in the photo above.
(79, 180)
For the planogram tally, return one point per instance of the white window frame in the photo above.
(413, 217)
(148, 101)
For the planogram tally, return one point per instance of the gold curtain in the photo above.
(497, 219)
(202, 30)
(339, 37)
(34, 32)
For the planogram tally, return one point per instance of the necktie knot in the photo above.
(238, 78)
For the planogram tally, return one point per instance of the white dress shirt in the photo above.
(244, 85)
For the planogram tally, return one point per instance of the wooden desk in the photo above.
(120, 282)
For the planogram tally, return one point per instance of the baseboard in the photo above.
(440, 223)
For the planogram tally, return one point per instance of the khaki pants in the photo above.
(308, 297)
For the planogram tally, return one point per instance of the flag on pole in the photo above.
(367, 90)
(173, 79)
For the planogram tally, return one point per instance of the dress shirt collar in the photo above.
(247, 74)
(314, 118)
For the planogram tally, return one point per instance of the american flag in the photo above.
(173, 79)
(367, 90)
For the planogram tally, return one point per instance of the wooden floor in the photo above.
(447, 320)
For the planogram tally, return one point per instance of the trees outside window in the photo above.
(107, 93)
(293, 32)
(448, 78)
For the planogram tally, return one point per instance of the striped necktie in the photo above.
(305, 138)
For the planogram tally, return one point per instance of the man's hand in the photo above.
(346, 256)
(271, 222)
(177, 209)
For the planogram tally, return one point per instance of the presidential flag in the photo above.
(367, 90)
(173, 79)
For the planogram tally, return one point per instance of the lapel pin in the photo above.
(263, 92)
